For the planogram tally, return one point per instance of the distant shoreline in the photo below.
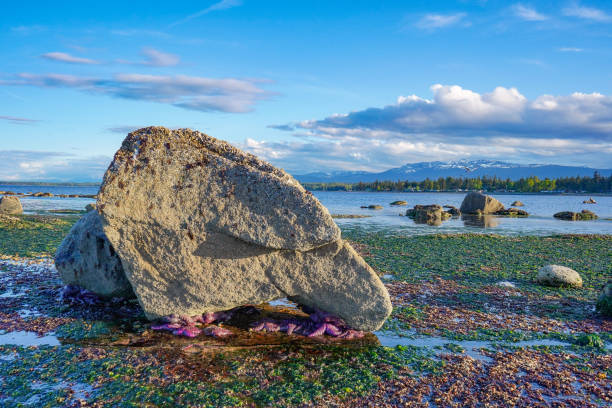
(47, 184)
(465, 192)
(91, 184)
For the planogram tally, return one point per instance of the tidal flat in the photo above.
(470, 327)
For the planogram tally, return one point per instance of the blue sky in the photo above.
(309, 86)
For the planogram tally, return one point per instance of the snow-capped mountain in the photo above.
(460, 168)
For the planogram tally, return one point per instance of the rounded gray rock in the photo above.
(557, 275)
(86, 258)
(10, 205)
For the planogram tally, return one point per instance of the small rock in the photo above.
(372, 207)
(399, 202)
(513, 212)
(475, 203)
(428, 214)
(10, 205)
(589, 201)
(517, 204)
(556, 275)
(452, 210)
(506, 284)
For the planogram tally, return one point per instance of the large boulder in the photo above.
(478, 203)
(556, 275)
(10, 205)
(86, 258)
(201, 226)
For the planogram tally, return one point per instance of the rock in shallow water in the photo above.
(478, 203)
(584, 215)
(201, 227)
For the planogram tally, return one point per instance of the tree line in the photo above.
(533, 184)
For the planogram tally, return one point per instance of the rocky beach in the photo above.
(251, 295)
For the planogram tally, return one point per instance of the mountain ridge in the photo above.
(456, 168)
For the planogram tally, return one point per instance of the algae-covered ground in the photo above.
(470, 327)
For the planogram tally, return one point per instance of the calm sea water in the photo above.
(541, 207)
(37, 204)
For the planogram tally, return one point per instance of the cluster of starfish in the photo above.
(76, 295)
(187, 326)
(318, 324)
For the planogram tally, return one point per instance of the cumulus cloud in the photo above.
(189, 92)
(456, 111)
(587, 13)
(50, 166)
(528, 13)
(17, 120)
(71, 59)
(455, 123)
(221, 5)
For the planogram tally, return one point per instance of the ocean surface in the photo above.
(540, 207)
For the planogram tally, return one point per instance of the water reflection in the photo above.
(480, 221)
(435, 222)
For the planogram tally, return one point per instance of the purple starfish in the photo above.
(184, 325)
(319, 324)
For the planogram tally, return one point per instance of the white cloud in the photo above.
(455, 123)
(570, 49)
(528, 13)
(64, 57)
(436, 21)
(221, 5)
(588, 13)
(50, 166)
(196, 93)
